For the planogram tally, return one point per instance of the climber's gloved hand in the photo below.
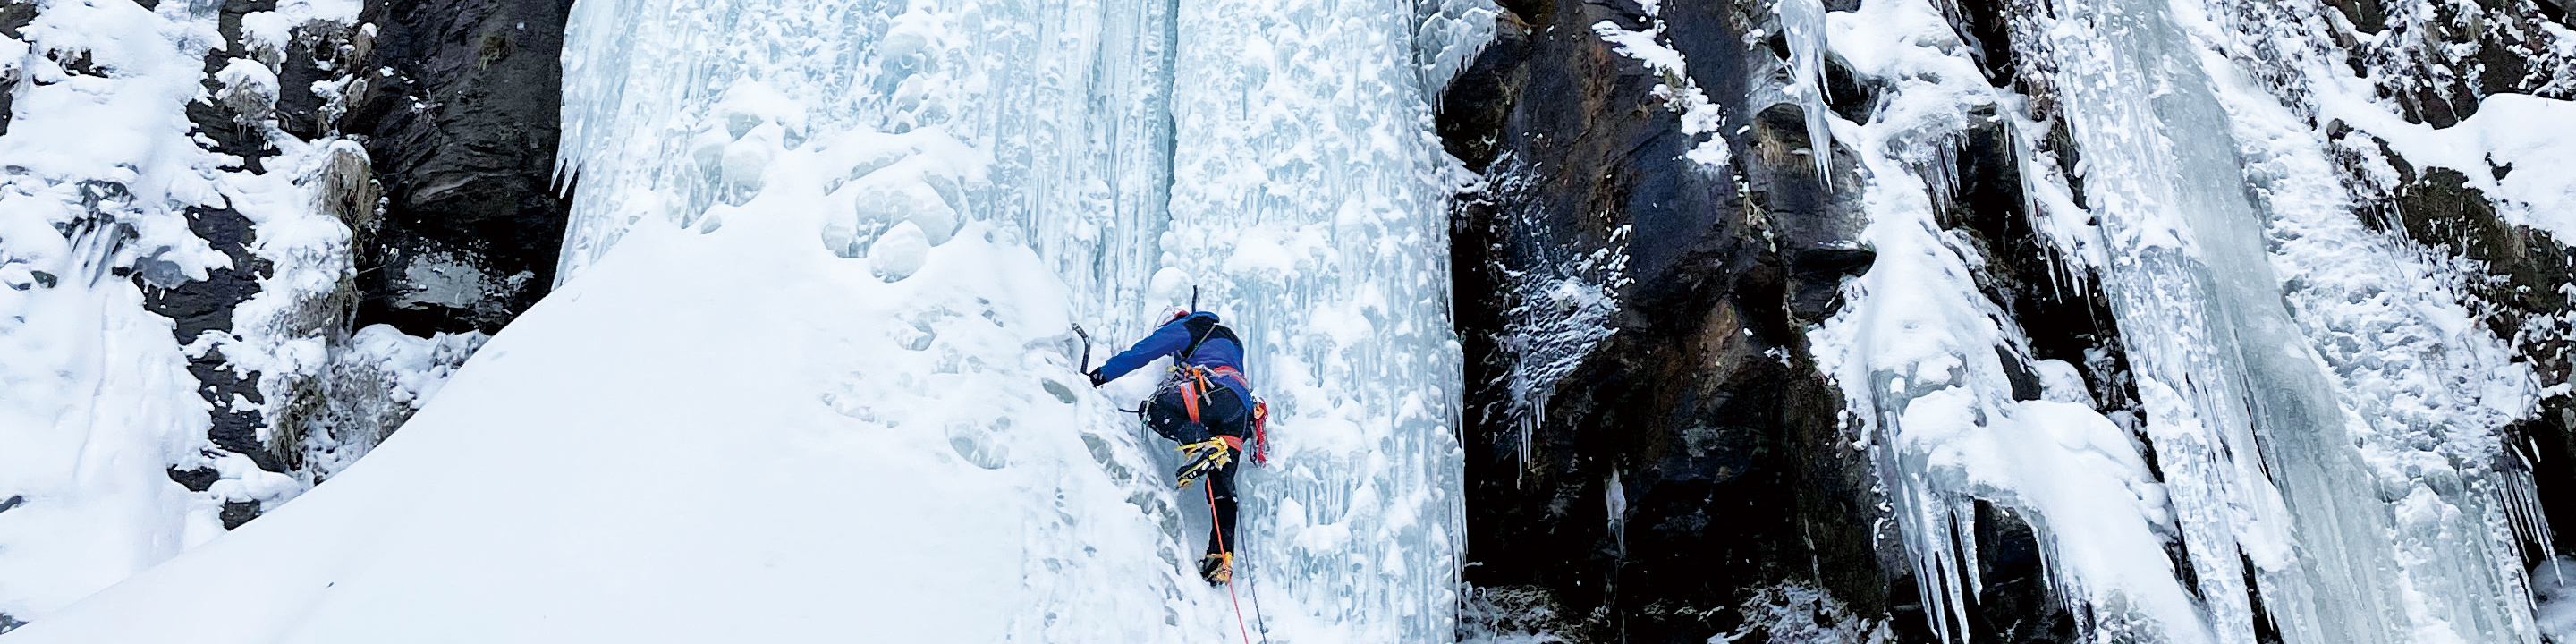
(1207, 457)
(1096, 380)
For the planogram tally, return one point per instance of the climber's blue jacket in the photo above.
(1195, 339)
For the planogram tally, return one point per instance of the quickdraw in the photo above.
(1260, 437)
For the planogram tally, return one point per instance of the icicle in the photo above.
(2520, 497)
(1615, 497)
(1802, 23)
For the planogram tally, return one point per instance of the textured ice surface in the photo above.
(1921, 353)
(2360, 492)
(1310, 198)
(2319, 405)
(1278, 157)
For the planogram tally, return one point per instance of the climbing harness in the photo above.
(1197, 382)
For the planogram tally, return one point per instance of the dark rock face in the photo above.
(463, 133)
(2438, 67)
(2015, 604)
(207, 305)
(1693, 457)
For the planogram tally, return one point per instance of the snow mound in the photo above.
(787, 449)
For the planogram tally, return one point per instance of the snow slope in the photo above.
(751, 451)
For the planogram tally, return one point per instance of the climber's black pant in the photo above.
(1220, 412)
(1220, 490)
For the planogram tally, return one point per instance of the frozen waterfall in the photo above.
(810, 365)
(810, 372)
(2324, 421)
(2361, 523)
(1308, 205)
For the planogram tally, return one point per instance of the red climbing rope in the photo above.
(1229, 563)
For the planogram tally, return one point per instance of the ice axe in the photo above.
(1086, 347)
(1086, 365)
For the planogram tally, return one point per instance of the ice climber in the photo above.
(1206, 405)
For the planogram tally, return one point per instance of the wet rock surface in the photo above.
(454, 222)
(1693, 457)
(461, 120)
(1692, 463)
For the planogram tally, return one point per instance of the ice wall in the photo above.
(1928, 361)
(1279, 157)
(1062, 107)
(1311, 199)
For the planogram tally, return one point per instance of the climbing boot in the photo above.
(1207, 457)
(1218, 568)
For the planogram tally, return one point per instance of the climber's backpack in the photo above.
(1197, 381)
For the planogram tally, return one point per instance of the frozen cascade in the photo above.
(2318, 407)
(1924, 360)
(1312, 201)
(809, 376)
(2191, 378)
(1308, 207)
(1803, 25)
(2256, 442)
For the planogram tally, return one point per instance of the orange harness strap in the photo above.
(1229, 372)
(1194, 383)
(1190, 399)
